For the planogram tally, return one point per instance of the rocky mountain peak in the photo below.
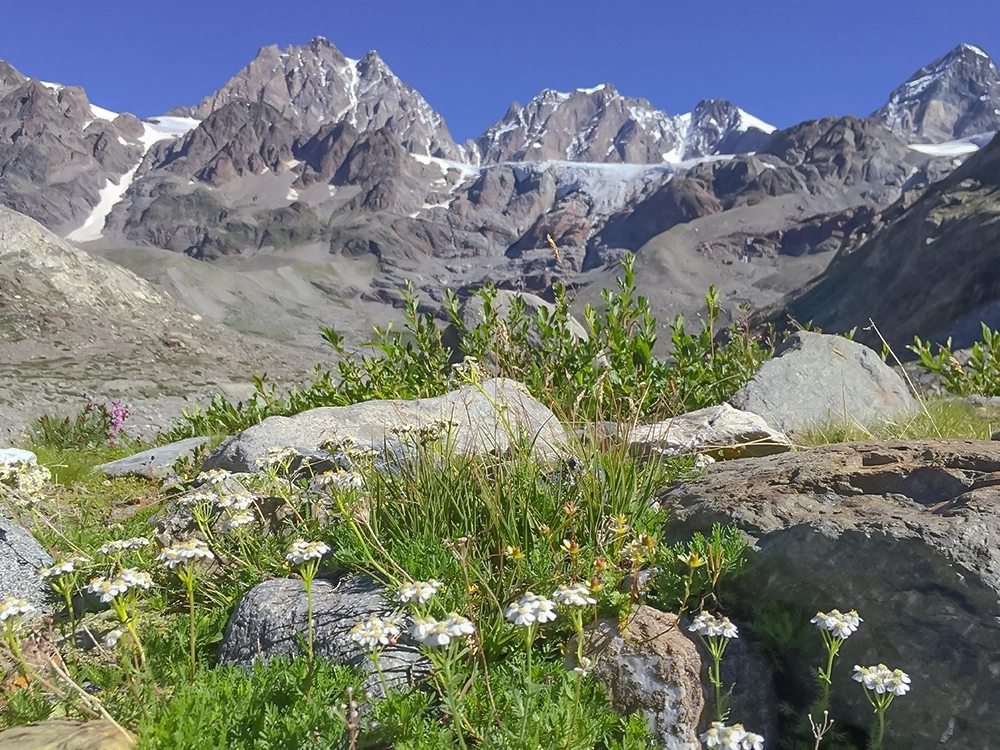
(590, 125)
(314, 84)
(600, 124)
(956, 96)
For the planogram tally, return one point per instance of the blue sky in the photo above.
(782, 60)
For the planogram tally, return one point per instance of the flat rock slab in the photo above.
(20, 558)
(156, 463)
(271, 620)
(907, 533)
(485, 414)
(64, 734)
(815, 380)
(718, 431)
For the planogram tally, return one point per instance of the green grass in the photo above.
(444, 516)
(937, 418)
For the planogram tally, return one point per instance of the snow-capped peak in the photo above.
(582, 126)
(950, 79)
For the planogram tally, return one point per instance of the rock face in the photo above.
(954, 97)
(310, 151)
(719, 431)
(64, 734)
(816, 380)
(906, 533)
(20, 558)
(76, 328)
(270, 619)
(927, 270)
(314, 84)
(484, 418)
(656, 670)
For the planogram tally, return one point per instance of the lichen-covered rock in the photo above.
(20, 558)
(271, 620)
(655, 669)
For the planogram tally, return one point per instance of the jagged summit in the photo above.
(601, 125)
(956, 96)
(315, 84)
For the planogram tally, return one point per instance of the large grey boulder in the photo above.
(271, 620)
(719, 431)
(155, 463)
(486, 415)
(20, 558)
(816, 380)
(907, 533)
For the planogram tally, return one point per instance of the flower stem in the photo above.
(880, 732)
(189, 581)
(576, 711)
(451, 695)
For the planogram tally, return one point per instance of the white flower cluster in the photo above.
(182, 553)
(12, 606)
(61, 568)
(702, 461)
(882, 680)
(573, 595)
(139, 579)
(198, 497)
(236, 520)
(419, 591)
(112, 638)
(838, 624)
(432, 632)
(235, 501)
(530, 609)
(278, 456)
(341, 480)
(301, 551)
(27, 478)
(710, 626)
(123, 545)
(108, 588)
(731, 738)
(213, 476)
(376, 631)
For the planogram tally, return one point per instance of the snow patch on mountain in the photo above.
(748, 121)
(110, 195)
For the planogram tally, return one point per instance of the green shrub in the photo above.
(94, 426)
(979, 376)
(613, 374)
